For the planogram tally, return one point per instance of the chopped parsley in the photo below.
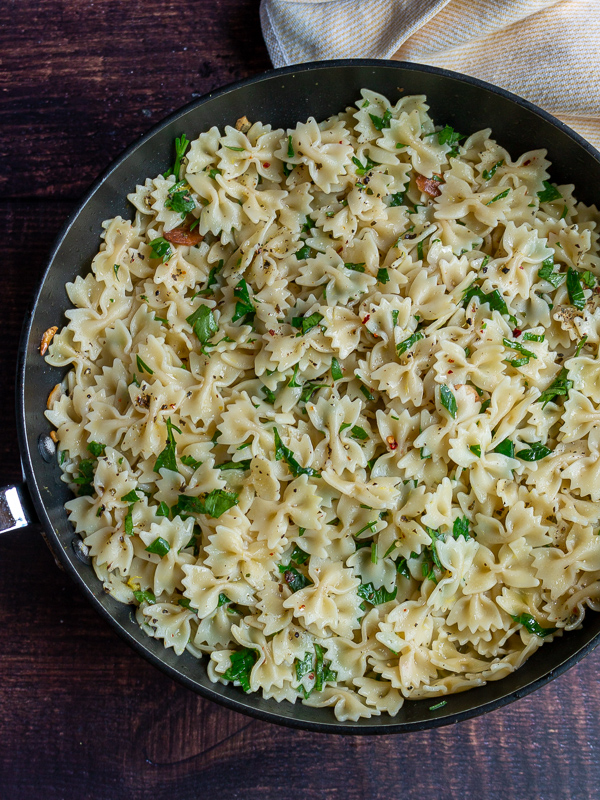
(190, 461)
(211, 280)
(159, 546)
(283, 452)
(244, 308)
(494, 299)
(383, 276)
(376, 596)
(575, 289)
(294, 579)
(242, 662)
(96, 449)
(304, 252)
(461, 528)
(161, 249)
(489, 173)
(475, 449)
(243, 465)
(546, 272)
(531, 624)
(534, 452)
(203, 323)
(85, 477)
(142, 366)
(405, 345)
(167, 459)
(354, 267)
(316, 669)
(180, 201)
(336, 370)
(181, 145)
(500, 196)
(379, 123)
(549, 193)
(145, 596)
(448, 400)
(505, 448)
(396, 199)
(307, 323)
(363, 169)
(213, 505)
(290, 150)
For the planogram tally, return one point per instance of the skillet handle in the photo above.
(16, 509)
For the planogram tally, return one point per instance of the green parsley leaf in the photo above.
(489, 173)
(461, 528)
(203, 323)
(546, 272)
(589, 279)
(448, 400)
(304, 252)
(484, 406)
(293, 383)
(283, 452)
(375, 596)
(162, 510)
(383, 276)
(441, 704)
(449, 136)
(500, 196)
(402, 567)
(218, 502)
(309, 389)
(533, 337)
(223, 600)
(579, 347)
(381, 122)
(396, 199)
(307, 323)
(294, 579)
(130, 497)
(269, 395)
(405, 345)
(359, 433)
(494, 299)
(190, 461)
(299, 556)
(244, 307)
(534, 452)
(242, 662)
(161, 249)
(355, 267)
(549, 193)
(336, 370)
(519, 348)
(143, 367)
(159, 546)
(181, 145)
(96, 449)
(212, 279)
(243, 465)
(182, 202)
(235, 149)
(531, 624)
(505, 448)
(145, 596)
(116, 269)
(363, 169)
(290, 150)
(167, 459)
(475, 449)
(575, 289)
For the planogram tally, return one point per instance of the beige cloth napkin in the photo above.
(547, 51)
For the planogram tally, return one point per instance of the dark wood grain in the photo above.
(81, 715)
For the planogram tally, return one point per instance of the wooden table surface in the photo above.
(81, 715)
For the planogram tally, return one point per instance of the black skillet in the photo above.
(281, 97)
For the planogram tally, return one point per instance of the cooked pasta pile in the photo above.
(331, 410)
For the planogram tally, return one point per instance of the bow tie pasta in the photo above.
(332, 411)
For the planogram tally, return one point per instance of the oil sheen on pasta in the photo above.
(348, 444)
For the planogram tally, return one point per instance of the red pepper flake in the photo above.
(392, 443)
(266, 165)
(527, 163)
(450, 371)
(272, 332)
(366, 319)
(517, 332)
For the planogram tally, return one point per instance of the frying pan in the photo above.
(281, 97)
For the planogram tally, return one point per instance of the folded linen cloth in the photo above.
(547, 51)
